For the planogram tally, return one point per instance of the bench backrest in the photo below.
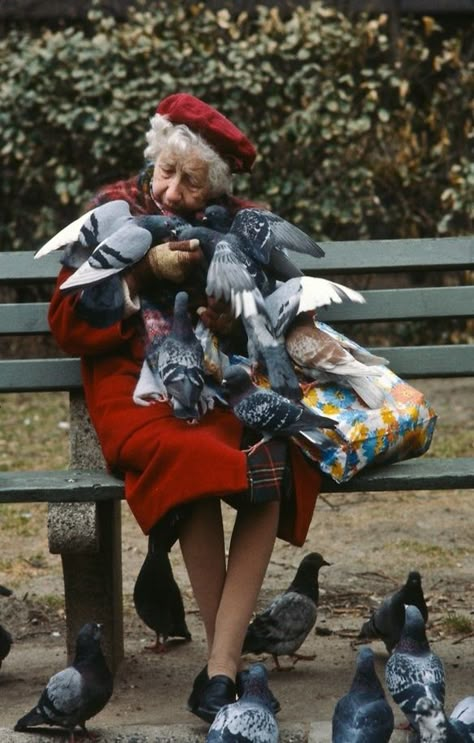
(391, 302)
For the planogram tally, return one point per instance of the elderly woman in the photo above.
(176, 474)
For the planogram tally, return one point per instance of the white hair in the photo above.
(179, 139)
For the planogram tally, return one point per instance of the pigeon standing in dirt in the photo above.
(283, 626)
(269, 413)
(79, 692)
(363, 715)
(434, 726)
(157, 597)
(413, 670)
(387, 620)
(250, 719)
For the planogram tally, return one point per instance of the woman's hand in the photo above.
(172, 261)
(217, 316)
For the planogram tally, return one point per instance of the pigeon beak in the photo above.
(325, 562)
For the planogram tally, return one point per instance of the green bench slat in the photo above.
(43, 375)
(76, 486)
(415, 362)
(387, 256)
(381, 304)
(356, 256)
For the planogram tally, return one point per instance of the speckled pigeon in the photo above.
(387, 620)
(283, 626)
(157, 597)
(363, 715)
(250, 719)
(179, 364)
(413, 670)
(323, 358)
(271, 414)
(79, 692)
(434, 726)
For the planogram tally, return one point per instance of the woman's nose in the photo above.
(173, 191)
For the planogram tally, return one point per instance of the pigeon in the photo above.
(79, 692)
(323, 358)
(283, 626)
(464, 711)
(413, 670)
(122, 248)
(177, 361)
(387, 620)
(4, 591)
(270, 413)
(250, 719)
(363, 715)
(266, 321)
(158, 599)
(217, 217)
(434, 726)
(6, 642)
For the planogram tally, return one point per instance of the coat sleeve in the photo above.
(74, 332)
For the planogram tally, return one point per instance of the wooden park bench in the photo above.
(85, 501)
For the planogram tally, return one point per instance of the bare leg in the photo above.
(202, 544)
(250, 550)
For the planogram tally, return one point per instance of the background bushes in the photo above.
(357, 137)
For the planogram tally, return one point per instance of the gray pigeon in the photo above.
(271, 414)
(217, 217)
(413, 670)
(250, 719)
(158, 599)
(387, 620)
(363, 715)
(434, 726)
(122, 248)
(178, 363)
(322, 358)
(79, 692)
(266, 320)
(283, 626)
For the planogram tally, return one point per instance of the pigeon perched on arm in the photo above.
(387, 620)
(363, 715)
(79, 692)
(250, 719)
(157, 597)
(271, 414)
(122, 248)
(413, 670)
(323, 358)
(283, 626)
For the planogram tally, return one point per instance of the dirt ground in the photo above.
(372, 541)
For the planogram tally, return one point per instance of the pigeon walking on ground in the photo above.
(434, 726)
(157, 597)
(177, 361)
(271, 414)
(363, 715)
(79, 692)
(387, 620)
(283, 626)
(250, 719)
(322, 358)
(413, 670)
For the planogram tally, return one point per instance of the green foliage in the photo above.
(354, 140)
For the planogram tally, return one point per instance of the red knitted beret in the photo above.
(228, 141)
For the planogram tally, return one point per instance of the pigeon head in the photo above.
(88, 639)
(237, 379)
(413, 634)
(217, 217)
(306, 578)
(365, 677)
(256, 684)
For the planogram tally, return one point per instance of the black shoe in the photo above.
(219, 691)
(276, 706)
(198, 687)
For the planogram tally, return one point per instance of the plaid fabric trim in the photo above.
(266, 471)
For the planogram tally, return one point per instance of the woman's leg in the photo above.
(251, 547)
(202, 545)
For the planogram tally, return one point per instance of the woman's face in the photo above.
(180, 182)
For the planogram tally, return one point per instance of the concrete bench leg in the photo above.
(93, 578)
